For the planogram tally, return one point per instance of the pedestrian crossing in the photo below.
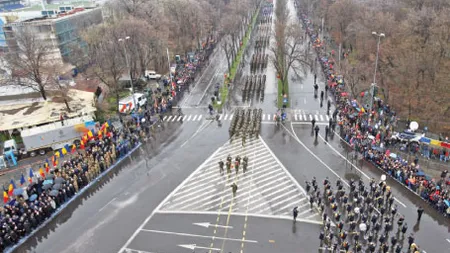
(266, 188)
(265, 117)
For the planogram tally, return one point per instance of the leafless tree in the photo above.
(32, 59)
(107, 64)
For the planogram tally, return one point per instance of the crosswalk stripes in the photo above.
(266, 188)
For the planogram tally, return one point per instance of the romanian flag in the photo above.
(47, 170)
(90, 135)
(54, 161)
(100, 136)
(46, 164)
(13, 184)
(57, 154)
(30, 176)
(41, 172)
(22, 179)
(5, 197)
(74, 148)
(63, 151)
(85, 138)
(82, 144)
(10, 190)
(106, 124)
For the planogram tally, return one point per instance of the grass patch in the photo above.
(236, 62)
(280, 94)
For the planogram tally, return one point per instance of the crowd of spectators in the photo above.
(45, 193)
(368, 131)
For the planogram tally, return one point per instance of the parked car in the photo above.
(151, 74)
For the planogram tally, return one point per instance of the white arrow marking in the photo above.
(194, 246)
(207, 225)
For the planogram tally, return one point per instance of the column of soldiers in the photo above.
(229, 164)
(365, 218)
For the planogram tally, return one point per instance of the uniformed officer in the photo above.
(295, 213)
(234, 188)
(221, 164)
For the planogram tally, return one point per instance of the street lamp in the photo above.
(129, 69)
(379, 35)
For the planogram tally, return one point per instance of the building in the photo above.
(59, 28)
(9, 5)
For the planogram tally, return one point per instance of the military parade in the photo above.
(361, 218)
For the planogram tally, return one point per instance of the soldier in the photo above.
(316, 130)
(228, 164)
(234, 188)
(244, 166)
(221, 167)
(295, 213)
(236, 166)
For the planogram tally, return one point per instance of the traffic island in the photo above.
(229, 78)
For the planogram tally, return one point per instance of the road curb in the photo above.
(76, 196)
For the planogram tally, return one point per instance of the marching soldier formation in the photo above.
(366, 218)
(246, 122)
(236, 164)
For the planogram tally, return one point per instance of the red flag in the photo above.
(41, 172)
(74, 148)
(82, 144)
(47, 170)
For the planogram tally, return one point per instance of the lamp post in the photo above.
(129, 69)
(379, 35)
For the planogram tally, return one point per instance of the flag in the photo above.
(46, 164)
(54, 161)
(90, 135)
(100, 134)
(22, 180)
(5, 197)
(41, 172)
(10, 190)
(30, 176)
(74, 148)
(13, 184)
(82, 144)
(57, 153)
(47, 170)
(85, 138)
(106, 124)
(63, 152)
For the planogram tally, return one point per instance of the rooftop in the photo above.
(34, 112)
(75, 4)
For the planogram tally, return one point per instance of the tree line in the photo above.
(414, 56)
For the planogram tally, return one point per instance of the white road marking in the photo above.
(304, 101)
(174, 118)
(310, 117)
(221, 116)
(168, 119)
(316, 118)
(328, 118)
(160, 205)
(296, 118)
(208, 224)
(282, 217)
(106, 204)
(231, 116)
(128, 250)
(199, 117)
(196, 235)
(263, 117)
(321, 117)
(194, 118)
(226, 117)
(189, 118)
(304, 117)
(300, 117)
(448, 240)
(165, 117)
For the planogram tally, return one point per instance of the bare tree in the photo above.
(107, 64)
(288, 53)
(33, 60)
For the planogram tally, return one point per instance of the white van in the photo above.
(126, 105)
(151, 74)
